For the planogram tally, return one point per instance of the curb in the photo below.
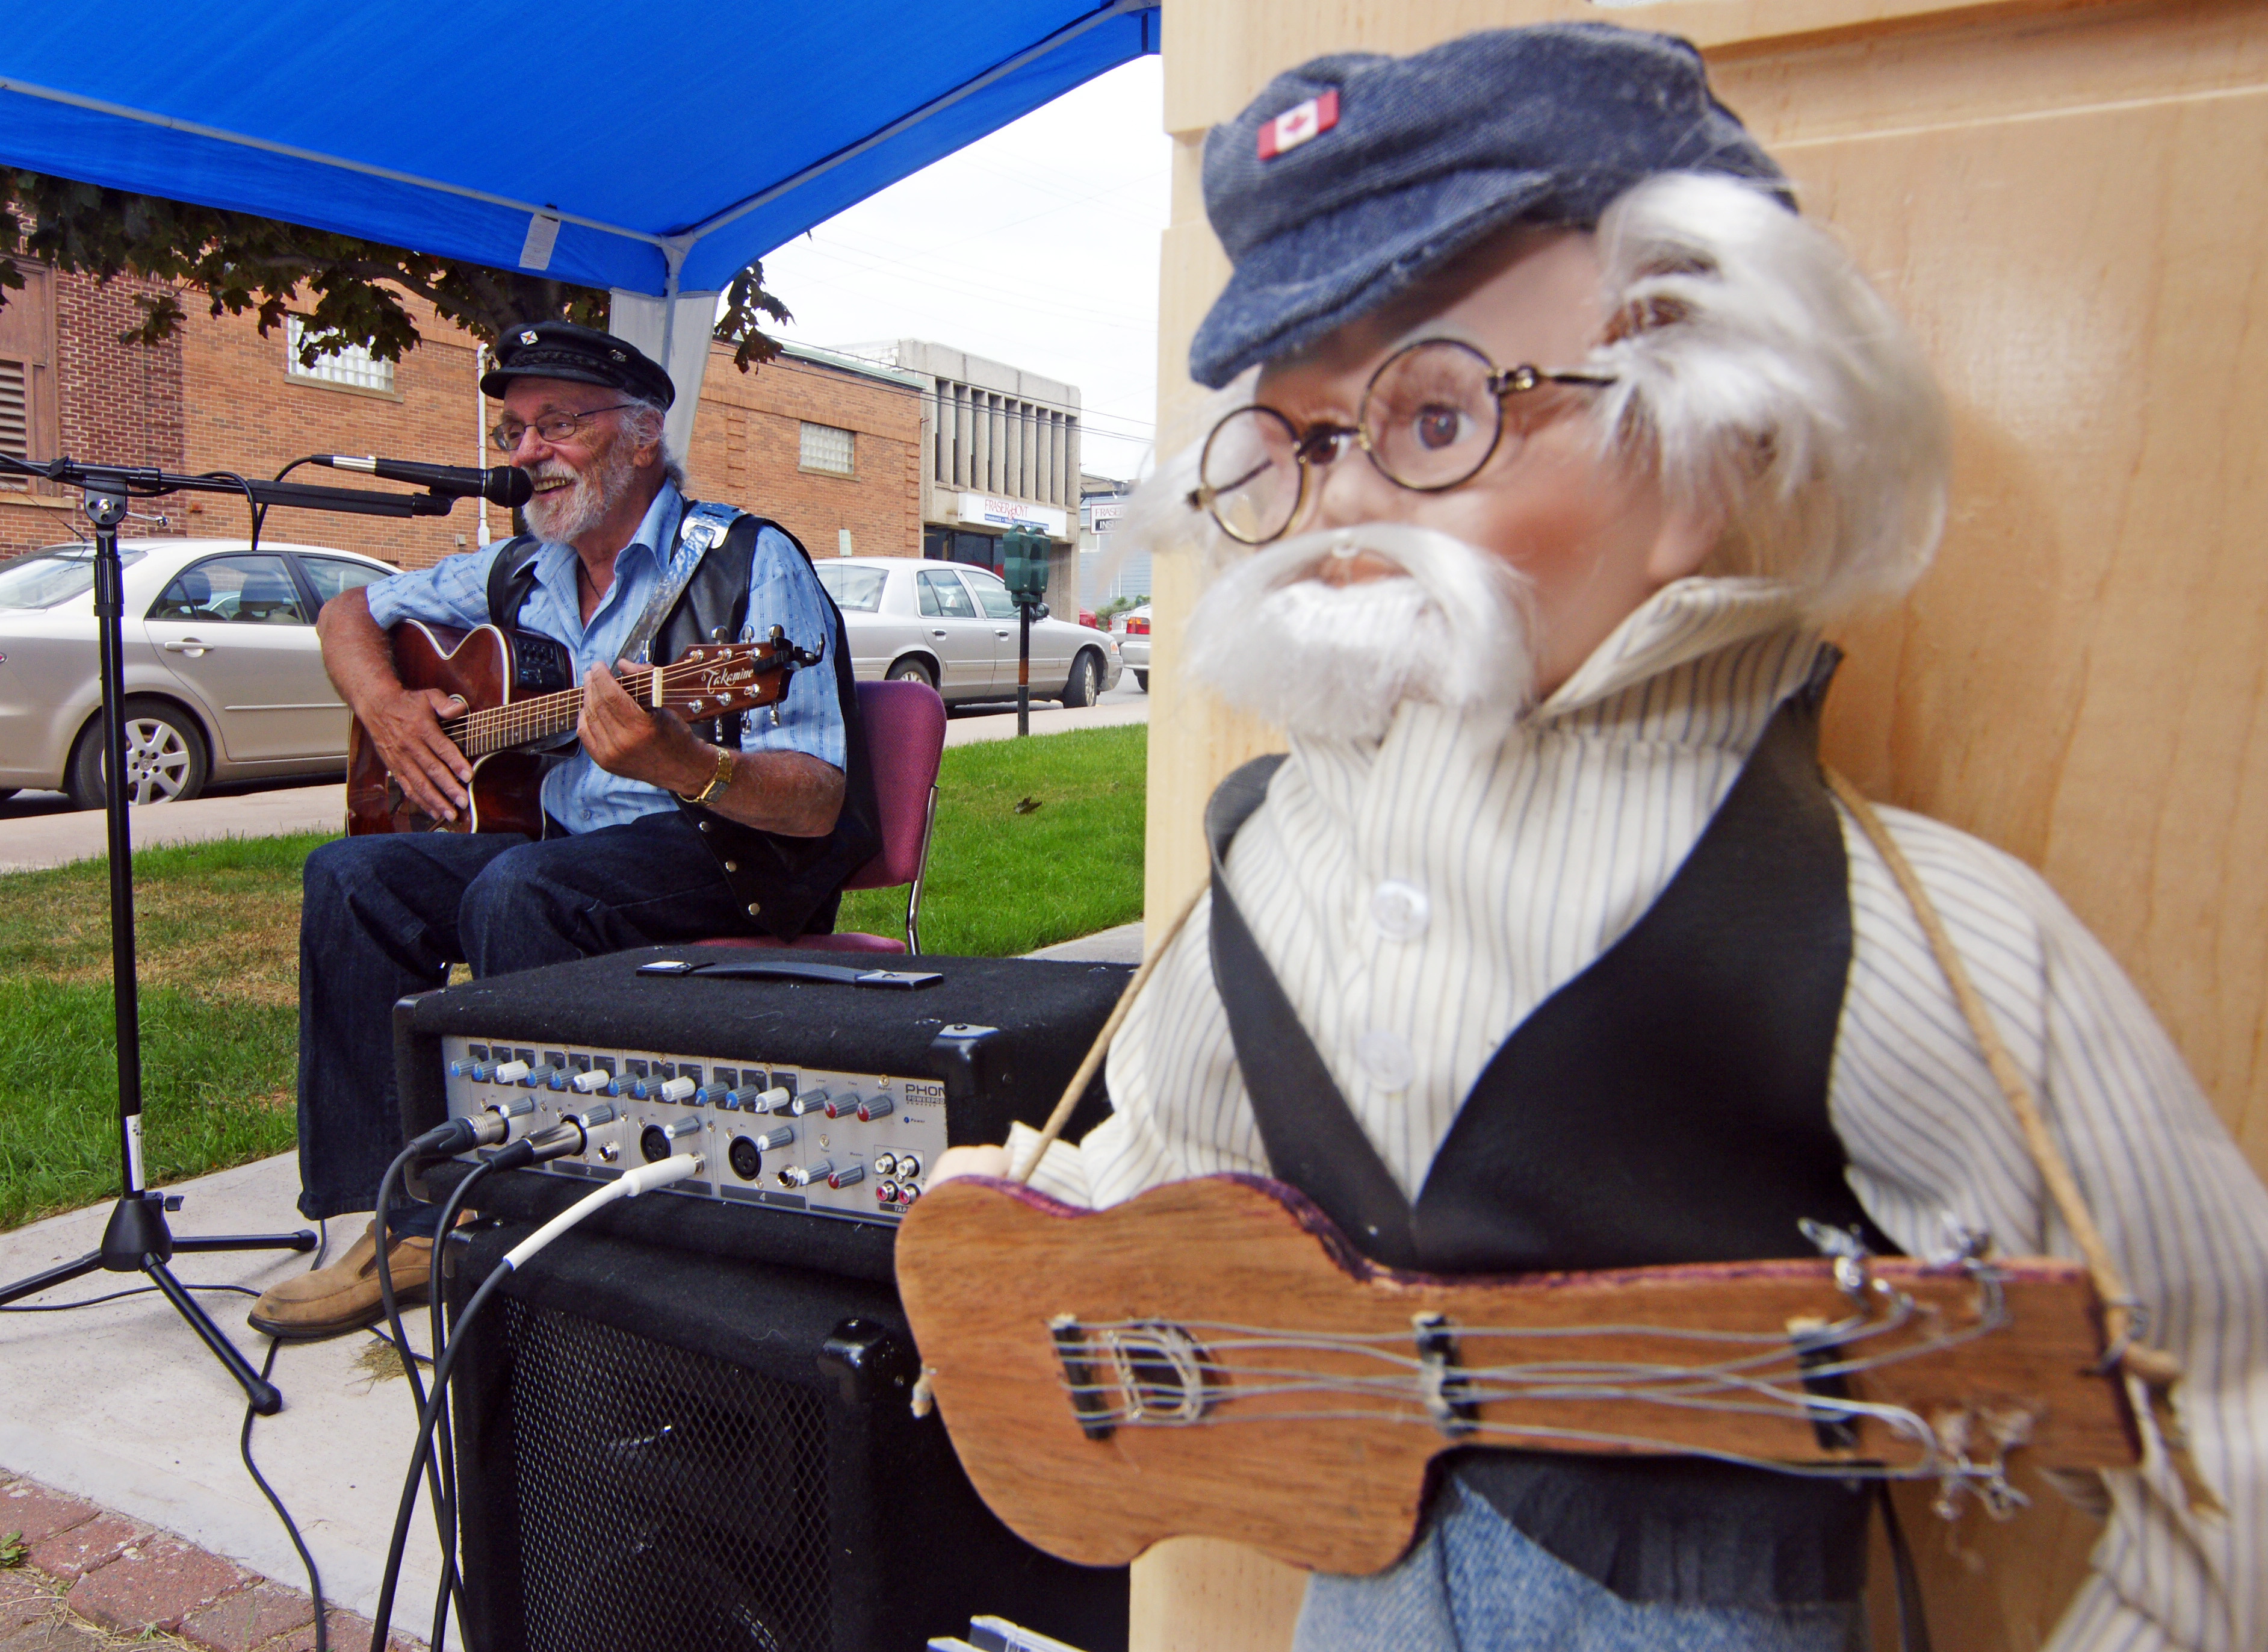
(94, 1580)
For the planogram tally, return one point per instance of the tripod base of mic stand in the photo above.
(137, 1240)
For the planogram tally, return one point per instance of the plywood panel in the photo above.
(2070, 202)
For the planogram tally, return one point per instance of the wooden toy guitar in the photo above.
(497, 731)
(1214, 1358)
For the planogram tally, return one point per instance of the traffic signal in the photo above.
(1024, 554)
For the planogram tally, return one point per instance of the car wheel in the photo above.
(1080, 691)
(165, 760)
(1142, 681)
(912, 671)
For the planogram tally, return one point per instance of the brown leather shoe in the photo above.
(344, 1296)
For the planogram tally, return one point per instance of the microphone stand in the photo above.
(137, 1239)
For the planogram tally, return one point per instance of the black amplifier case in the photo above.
(686, 1426)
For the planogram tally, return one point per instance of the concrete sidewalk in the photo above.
(30, 840)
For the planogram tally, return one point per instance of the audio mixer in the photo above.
(854, 1146)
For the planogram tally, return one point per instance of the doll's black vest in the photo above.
(1667, 1105)
(787, 886)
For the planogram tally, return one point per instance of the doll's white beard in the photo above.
(1326, 662)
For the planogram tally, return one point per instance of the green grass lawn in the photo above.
(218, 932)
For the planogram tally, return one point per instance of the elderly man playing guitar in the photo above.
(646, 833)
(1551, 435)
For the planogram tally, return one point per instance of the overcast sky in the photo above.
(1036, 247)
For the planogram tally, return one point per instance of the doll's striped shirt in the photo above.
(1418, 896)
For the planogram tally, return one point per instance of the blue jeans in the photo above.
(386, 916)
(1473, 1583)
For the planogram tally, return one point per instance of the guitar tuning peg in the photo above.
(747, 633)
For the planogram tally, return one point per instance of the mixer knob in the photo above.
(590, 1083)
(843, 1105)
(678, 1089)
(557, 1079)
(512, 1072)
(513, 1107)
(847, 1175)
(804, 1175)
(873, 1107)
(758, 1101)
(778, 1136)
(678, 1129)
(811, 1102)
(462, 1069)
(604, 1113)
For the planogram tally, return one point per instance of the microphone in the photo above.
(505, 485)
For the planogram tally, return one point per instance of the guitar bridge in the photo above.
(1147, 1373)
(1439, 1385)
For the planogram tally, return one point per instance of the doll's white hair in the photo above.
(1755, 371)
(1765, 379)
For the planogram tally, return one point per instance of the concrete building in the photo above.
(1000, 450)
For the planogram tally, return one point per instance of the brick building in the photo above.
(828, 446)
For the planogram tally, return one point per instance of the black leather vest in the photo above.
(788, 886)
(1667, 1105)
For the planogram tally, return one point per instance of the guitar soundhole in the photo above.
(1163, 1374)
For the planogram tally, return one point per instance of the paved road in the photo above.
(41, 828)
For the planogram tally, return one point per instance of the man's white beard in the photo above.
(563, 516)
(1333, 661)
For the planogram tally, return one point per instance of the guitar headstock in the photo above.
(716, 678)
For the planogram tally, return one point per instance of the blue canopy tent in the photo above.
(655, 151)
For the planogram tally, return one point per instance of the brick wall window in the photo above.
(353, 366)
(15, 410)
(828, 449)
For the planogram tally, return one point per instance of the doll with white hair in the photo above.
(1551, 436)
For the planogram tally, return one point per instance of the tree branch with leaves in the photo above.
(345, 291)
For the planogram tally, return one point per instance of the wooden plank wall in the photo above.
(2070, 203)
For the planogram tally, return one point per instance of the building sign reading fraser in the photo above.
(995, 512)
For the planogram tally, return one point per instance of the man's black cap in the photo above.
(560, 349)
(1352, 176)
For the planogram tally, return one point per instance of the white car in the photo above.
(1132, 630)
(954, 627)
(224, 677)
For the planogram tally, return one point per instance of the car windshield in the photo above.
(856, 588)
(47, 578)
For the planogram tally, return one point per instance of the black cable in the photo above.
(138, 1290)
(444, 1447)
(451, 1587)
(244, 1444)
(384, 1616)
(323, 1243)
(260, 511)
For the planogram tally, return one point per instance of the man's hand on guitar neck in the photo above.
(784, 792)
(404, 724)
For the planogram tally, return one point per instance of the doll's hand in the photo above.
(968, 1162)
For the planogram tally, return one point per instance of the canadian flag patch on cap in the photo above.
(1299, 123)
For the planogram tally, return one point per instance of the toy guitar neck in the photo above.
(503, 722)
(1213, 1359)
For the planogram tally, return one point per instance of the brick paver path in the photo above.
(94, 1581)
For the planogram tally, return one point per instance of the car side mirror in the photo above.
(1040, 612)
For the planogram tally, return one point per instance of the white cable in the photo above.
(646, 1177)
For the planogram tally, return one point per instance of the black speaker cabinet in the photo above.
(661, 1451)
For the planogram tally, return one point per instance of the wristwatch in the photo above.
(718, 782)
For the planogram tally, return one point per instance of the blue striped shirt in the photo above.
(782, 591)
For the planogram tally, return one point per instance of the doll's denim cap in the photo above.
(1428, 154)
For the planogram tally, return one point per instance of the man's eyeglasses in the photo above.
(552, 427)
(1430, 416)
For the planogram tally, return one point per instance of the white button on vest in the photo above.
(1387, 1059)
(1400, 910)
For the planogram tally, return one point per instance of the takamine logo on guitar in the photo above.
(722, 684)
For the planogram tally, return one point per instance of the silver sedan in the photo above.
(224, 677)
(954, 628)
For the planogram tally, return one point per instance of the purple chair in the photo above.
(905, 738)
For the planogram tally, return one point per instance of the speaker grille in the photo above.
(668, 1501)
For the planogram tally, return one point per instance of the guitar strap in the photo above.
(701, 528)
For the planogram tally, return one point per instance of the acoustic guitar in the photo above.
(1213, 1358)
(509, 719)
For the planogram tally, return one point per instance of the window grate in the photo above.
(827, 448)
(15, 410)
(353, 366)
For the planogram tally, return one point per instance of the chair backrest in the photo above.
(905, 738)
